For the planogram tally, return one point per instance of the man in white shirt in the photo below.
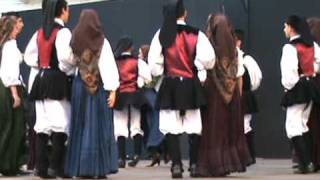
(297, 74)
(50, 52)
(181, 54)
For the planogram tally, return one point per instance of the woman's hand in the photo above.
(15, 96)
(16, 101)
(112, 99)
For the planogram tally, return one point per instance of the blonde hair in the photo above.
(7, 24)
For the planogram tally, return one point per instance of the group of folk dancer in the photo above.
(86, 95)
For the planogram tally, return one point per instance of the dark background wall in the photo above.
(266, 38)
(261, 20)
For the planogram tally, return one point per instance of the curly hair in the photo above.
(7, 24)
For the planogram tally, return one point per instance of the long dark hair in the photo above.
(300, 25)
(7, 24)
(123, 45)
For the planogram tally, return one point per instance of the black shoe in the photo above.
(155, 160)
(311, 167)
(122, 163)
(316, 168)
(295, 166)
(166, 158)
(193, 171)
(301, 170)
(134, 161)
(46, 176)
(176, 171)
(9, 173)
(57, 173)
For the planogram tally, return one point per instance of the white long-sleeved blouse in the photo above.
(10, 64)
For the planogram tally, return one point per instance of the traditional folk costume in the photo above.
(297, 77)
(133, 73)
(92, 147)
(223, 148)
(12, 124)
(181, 54)
(50, 52)
(313, 135)
(150, 115)
(251, 81)
(314, 123)
(31, 121)
(153, 138)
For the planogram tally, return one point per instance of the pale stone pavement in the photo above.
(265, 169)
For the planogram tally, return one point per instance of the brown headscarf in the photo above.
(86, 43)
(220, 34)
(314, 24)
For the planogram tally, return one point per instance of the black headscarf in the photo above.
(123, 45)
(52, 9)
(48, 17)
(172, 9)
(300, 25)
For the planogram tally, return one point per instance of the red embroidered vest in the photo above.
(128, 71)
(179, 57)
(46, 49)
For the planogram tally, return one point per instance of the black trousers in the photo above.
(302, 150)
(57, 153)
(250, 142)
(175, 152)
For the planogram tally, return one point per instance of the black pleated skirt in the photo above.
(135, 99)
(250, 102)
(304, 91)
(180, 94)
(51, 84)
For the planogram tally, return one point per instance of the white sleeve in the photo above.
(144, 72)
(317, 58)
(254, 72)
(31, 52)
(64, 52)
(205, 55)
(240, 63)
(289, 67)
(108, 68)
(155, 56)
(32, 75)
(10, 64)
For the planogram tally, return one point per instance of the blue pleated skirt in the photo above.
(155, 137)
(91, 149)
